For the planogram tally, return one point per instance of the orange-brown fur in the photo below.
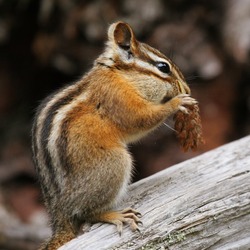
(80, 133)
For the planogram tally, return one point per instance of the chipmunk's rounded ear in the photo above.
(122, 34)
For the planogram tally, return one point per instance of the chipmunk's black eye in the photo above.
(163, 67)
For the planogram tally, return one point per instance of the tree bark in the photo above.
(202, 203)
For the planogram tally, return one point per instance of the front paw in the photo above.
(185, 100)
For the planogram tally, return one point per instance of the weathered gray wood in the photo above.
(203, 203)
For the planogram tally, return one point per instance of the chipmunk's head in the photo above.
(155, 76)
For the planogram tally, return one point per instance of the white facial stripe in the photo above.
(150, 67)
(110, 52)
(144, 64)
(156, 58)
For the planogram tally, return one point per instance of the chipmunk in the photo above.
(81, 132)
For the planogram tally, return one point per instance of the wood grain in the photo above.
(202, 203)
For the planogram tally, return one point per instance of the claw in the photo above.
(186, 100)
(130, 210)
(127, 216)
(140, 223)
(183, 109)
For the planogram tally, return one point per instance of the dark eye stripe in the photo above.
(163, 67)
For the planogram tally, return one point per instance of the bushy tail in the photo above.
(61, 236)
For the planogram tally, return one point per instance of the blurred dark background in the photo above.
(45, 44)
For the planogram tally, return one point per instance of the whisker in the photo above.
(189, 78)
(171, 55)
(168, 126)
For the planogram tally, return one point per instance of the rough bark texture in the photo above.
(203, 203)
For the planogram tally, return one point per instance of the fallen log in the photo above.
(202, 203)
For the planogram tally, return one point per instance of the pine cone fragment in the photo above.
(188, 128)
